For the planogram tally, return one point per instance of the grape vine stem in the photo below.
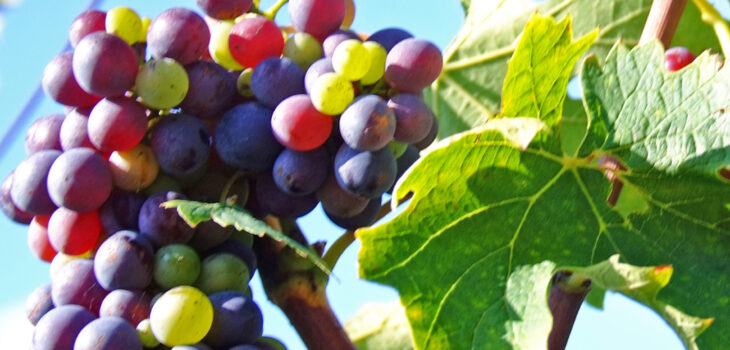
(271, 12)
(662, 22)
(711, 16)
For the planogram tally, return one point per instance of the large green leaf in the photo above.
(488, 201)
(380, 326)
(475, 63)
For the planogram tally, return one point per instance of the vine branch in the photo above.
(711, 16)
(662, 21)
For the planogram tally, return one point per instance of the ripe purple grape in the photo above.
(330, 43)
(301, 173)
(121, 211)
(274, 201)
(163, 226)
(29, 191)
(256, 151)
(108, 333)
(433, 133)
(79, 180)
(104, 65)
(76, 284)
(412, 65)
(73, 233)
(60, 84)
(212, 90)
(224, 9)
(87, 22)
(364, 218)
(364, 173)
(38, 303)
(319, 18)
(338, 202)
(181, 144)
(117, 124)
(74, 130)
(44, 133)
(367, 124)
(413, 118)
(59, 328)
(255, 39)
(319, 67)
(133, 306)
(236, 320)
(180, 34)
(389, 37)
(124, 261)
(8, 207)
(275, 79)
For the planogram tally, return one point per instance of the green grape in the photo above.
(331, 93)
(351, 60)
(144, 330)
(243, 236)
(134, 169)
(124, 23)
(377, 62)
(303, 49)
(162, 83)
(181, 316)
(162, 183)
(275, 343)
(176, 265)
(243, 84)
(218, 46)
(398, 148)
(222, 272)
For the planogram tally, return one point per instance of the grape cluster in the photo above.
(229, 107)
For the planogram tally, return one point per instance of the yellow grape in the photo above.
(351, 59)
(377, 62)
(331, 93)
(162, 83)
(144, 330)
(145, 26)
(181, 316)
(124, 23)
(218, 46)
(134, 169)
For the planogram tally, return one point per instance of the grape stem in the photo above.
(662, 22)
(711, 16)
(227, 188)
(271, 12)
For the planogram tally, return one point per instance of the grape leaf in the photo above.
(475, 63)
(489, 201)
(380, 326)
(226, 215)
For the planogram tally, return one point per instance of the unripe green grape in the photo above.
(243, 236)
(377, 62)
(223, 271)
(351, 60)
(181, 316)
(303, 49)
(398, 148)
(218, 46)
(176, 265)
(331, 93)
(144, 330)
(243, 84)
(162, 83)
(124, 23)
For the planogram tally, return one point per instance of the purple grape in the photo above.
(406, 159)
(44, 134)
(59, 328)
(244, 140)
(74, 131)
(105, 65)
(80, 180)
(330, 43)
(28, 190)
(319, 67)
(224, 9)
(212, 90)
(236, 320)
(39, 302)
(124, 261)
(412, 65)
(241, 250)
(192, 347)
(76, 284)
(413, 118)
(117, 124)
(319, 18)
(8, 207)
(180, 34)
(339, 202)
(181, 144)
(133, 306)
(433, 133)
(274, 201)
(274, 79)
(301, 173)
(163, 226)
(365, 218)
(364, 173)
(60, 84)
(389, 37)
(108, 333)
(367, 124)
(121, 211)
(87, 22)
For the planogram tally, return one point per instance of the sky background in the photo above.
(34, 31)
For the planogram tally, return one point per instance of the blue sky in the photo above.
(35, 31)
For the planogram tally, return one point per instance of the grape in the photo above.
(183, 315)
(73, 233)
(389, 37)
(104, 64)
(335, 39)
(412, 65)
(409, 156)
(218, 47)
(331, 93)
(163, 226)
(351, 60)
(377, 62)
(124, 261)
(367, 124)
(80, 180)
(61, 260)
(224, 9)
(176, 265)
(133, 169)
(677, 58)
(144, 330)
(275, 79)
(431, 136)
(365, 218)
(273, 200)
(38, 303)
(223, 271)
(349, 17)
(209, 234)
(255, 39)
(398, 148)
(163, 183)
(367, 174)
(256, 151)
(339, 202)
(210, 187)
(413, 117)
(59, 327)
(75, 284)
(298, 125)
(73, 131)
(124, 23)
(60, 84)
(319, 67)
(133, 306)
(239, 249)
(117, 124)
(301, 173)
(178, 33)
(192, 347)
(87, 22)
(28, 191)
(120, 211)
(38, 239)
(236, 320)
(211, 90)
(181, 144)
(44, 134)
(317, 17)
(303, 49)
(108, 333)
(243, 83)
(7, 205)
(161, 83)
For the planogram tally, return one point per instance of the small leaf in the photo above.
(380, 326)
(192, 212)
